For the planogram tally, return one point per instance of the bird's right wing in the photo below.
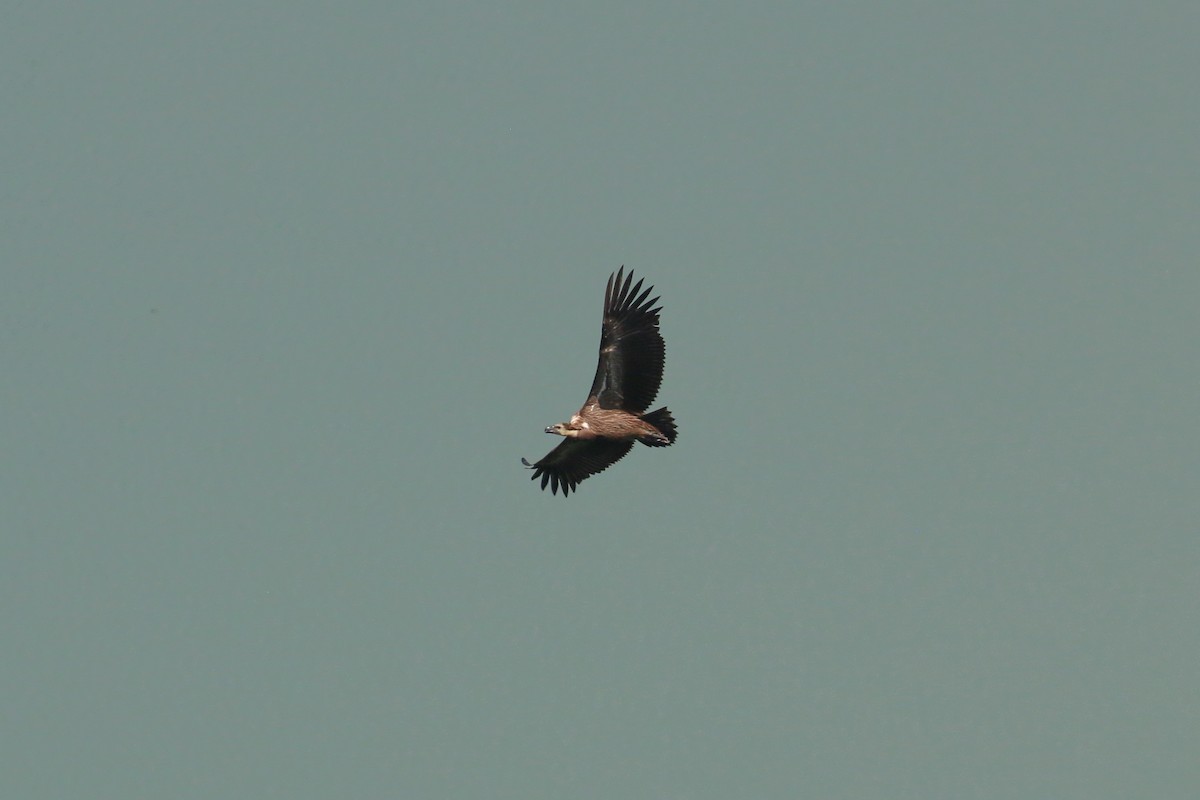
(576, 459)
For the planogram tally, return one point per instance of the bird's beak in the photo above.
(549, 429)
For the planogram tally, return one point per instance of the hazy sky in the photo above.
(289, 288)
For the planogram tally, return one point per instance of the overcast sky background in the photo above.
(288, 289)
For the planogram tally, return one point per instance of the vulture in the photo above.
(627, 379)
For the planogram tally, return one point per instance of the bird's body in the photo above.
(629, 372)
(594, 422)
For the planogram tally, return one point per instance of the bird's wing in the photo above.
(575, 459)
(631, 348)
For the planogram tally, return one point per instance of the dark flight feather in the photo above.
(575, 459)
(632, 352)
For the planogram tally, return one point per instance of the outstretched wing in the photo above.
(631, 348)
(575, 459)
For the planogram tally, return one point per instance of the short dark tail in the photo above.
(662, 420)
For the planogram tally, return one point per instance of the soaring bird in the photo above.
(627, 379)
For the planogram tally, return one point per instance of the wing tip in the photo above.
(624, 297)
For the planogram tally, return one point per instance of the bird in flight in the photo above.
(627, 379)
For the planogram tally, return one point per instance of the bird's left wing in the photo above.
(632, 352)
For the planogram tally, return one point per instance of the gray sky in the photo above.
(289, 289)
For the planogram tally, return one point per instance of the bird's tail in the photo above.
(662, 420)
